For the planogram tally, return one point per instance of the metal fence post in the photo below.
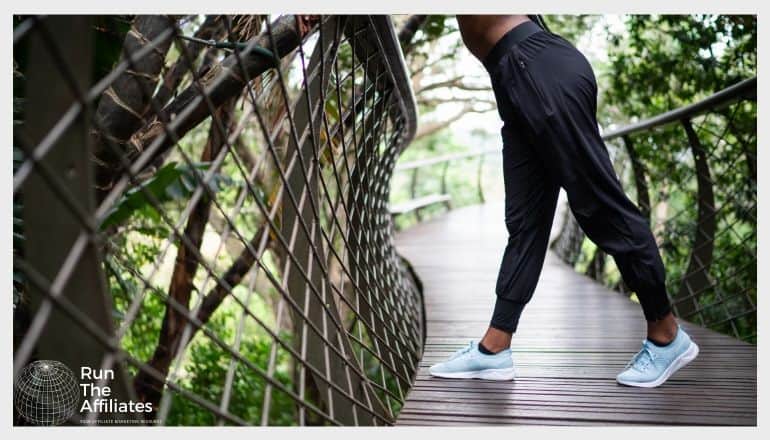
(316, 351)
(696, 278)
(57, 245)
(640, 173)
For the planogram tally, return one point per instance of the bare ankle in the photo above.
(496, 340)
(663, 330)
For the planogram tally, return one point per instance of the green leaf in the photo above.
(170, 183)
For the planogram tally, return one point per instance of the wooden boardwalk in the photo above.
(574, 337)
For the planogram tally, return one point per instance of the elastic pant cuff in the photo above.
(657, 311)
(506, 315)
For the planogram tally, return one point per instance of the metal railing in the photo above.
(417, 202)
(210, 225)
(693, 173)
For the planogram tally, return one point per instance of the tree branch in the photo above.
(452, 100)
(433, 127)
(456, 82)
(210, 29)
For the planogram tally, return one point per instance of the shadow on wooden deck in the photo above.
(573, 338)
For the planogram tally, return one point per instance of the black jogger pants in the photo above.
(546, 96)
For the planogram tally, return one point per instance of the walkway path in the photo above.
(573, 338)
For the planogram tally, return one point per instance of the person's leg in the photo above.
(558, 99)
(530, 202)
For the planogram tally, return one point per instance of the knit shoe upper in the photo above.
(653, 364)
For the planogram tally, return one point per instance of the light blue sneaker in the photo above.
(470, 363)
(653, 365)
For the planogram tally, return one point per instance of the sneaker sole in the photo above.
(488, 374)
(683, 359)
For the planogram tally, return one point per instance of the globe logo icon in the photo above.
(46, 393)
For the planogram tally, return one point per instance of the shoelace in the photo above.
(462, 351)
(640, 362)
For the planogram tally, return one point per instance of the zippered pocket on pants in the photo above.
(534, 104)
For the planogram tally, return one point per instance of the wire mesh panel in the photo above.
(693, 173)
(201, 207)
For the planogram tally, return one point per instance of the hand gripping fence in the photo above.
(212, 225)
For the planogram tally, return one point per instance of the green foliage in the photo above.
(142, 335)
(571, 27)
(171, 182)
(435, 26)
(203, 371)
(667, 61)
(374, 368)
(205, 374)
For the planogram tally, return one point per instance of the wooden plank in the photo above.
(573, 338)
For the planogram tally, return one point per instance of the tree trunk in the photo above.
(222, 82)
(149, 389)
(123, 106)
